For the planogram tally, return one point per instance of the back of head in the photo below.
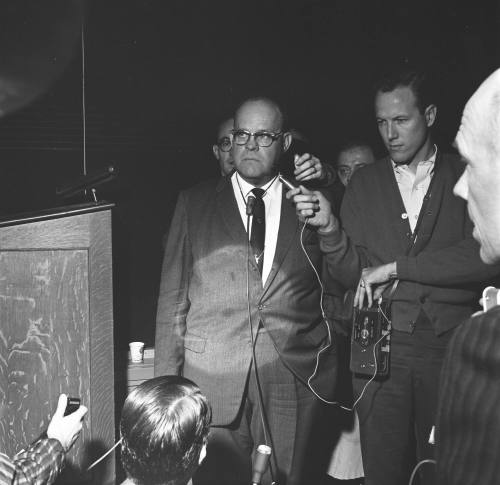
(164, 427)
(415, 77)
(482, 112)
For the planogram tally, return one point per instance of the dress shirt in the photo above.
(413, 186)
(272, 202)
(39, 464)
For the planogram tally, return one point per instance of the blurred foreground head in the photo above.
(478, 141)
(164, 429)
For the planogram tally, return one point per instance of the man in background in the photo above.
(222, 148)
(351, 157)
(468, 420)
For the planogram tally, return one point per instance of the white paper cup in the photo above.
(136, 351)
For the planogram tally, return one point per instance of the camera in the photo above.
(371, 339)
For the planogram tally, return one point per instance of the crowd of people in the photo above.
(255, 323)
(260, 281)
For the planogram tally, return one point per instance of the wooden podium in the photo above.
(56, 331)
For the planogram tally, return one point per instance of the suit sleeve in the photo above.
(346, 255)
(455, 265)
(173, 299)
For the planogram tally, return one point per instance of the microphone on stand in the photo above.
(250, 205)
(260, 463)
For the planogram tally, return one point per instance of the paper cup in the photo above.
(136, 351)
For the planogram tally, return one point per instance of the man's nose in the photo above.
(461, 188)
(251, 144)
(392, 132)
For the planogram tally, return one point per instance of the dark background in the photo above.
(160, 75)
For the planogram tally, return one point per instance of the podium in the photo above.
(56, 331)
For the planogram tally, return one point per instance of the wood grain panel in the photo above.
(56, 334)
(45, 339)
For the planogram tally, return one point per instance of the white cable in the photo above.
(330, 342)
(417, 466)
(104, 456)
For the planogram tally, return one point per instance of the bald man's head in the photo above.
(478, 141)
(259, 140)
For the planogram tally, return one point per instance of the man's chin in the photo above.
(398, 157)
(489, 255)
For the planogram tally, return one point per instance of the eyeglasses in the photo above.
(224, 144)
(262, 138)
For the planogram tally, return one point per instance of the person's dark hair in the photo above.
(412, 76)
(283, 114)
(350, 144)
(163, 427)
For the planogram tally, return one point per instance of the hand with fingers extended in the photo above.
(312, 206)
(66, 429)
(373, 282)
(308, 167)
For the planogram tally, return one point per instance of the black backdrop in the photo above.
(160, 74)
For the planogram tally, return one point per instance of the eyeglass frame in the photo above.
(274, 136)
(221, 140)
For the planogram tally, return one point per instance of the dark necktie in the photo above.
(258, 234)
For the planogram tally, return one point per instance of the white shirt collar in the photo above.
(271, 188)
(431, 160)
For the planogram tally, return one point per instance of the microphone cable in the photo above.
(250, 202)
(330, 340)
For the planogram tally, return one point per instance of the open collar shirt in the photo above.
(413, 186)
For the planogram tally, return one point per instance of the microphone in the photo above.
(260, 463)
(250, 205)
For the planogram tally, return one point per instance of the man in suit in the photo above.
(223, 296)
(401, 222)
(468, 420)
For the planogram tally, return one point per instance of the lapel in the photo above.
(287, 232)
(395, 205)
(435, 196)
(227, 209)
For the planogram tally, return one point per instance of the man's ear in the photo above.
(430, 115)
(215, 149)
(287, 141)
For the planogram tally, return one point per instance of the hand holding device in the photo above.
(308, 167)
(66, 429)
(314, 208)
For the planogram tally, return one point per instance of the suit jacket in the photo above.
(468, 418)
(202, 328)
(439, 275)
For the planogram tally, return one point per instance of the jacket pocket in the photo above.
(194, 342)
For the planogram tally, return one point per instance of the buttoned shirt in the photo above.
(272, 203)
(413, 186)
(39, 464)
